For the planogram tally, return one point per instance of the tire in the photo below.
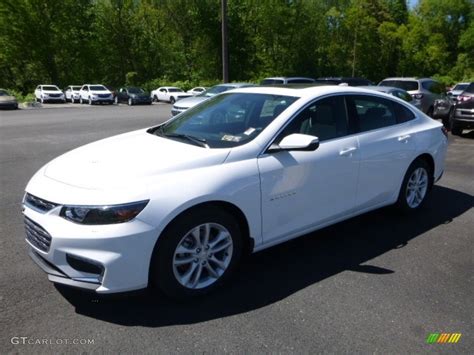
(72, 100)
(456, 130)
(116, 101)
(172, 100)
(81, 101)
(155, 98)
(416, 186)
(130, 102)
(170, 269)
(90, 101)
(42, 100)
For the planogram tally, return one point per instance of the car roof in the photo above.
(287, 77)
(381, 88)
(409, 79)
(305, 91)
(236, 85)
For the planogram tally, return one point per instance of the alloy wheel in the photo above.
(202, 256)
(417, 187)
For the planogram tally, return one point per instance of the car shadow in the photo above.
(274, 274)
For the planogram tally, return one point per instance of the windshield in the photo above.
(216, 90)
(407, 85)
(470, 88)
(460, 87)
(226, 120)
(51, 88)
(174, 90)
(135, 91)
(3, 93)
(76, 88)
(98, 88)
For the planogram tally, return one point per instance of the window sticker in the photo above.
(231, 138)
(249, 131)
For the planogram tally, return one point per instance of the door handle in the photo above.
(404, 138)
(347, 151)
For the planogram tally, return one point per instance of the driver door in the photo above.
(301, 190)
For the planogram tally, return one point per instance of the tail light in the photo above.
(445, 131)
(417, 96)
(464, 98)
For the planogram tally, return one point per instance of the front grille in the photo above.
(38, 204)
(36, 235)
(54, 95)
(103, 95)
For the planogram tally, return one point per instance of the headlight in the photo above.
(103, 214)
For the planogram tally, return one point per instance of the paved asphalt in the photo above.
(376, 283)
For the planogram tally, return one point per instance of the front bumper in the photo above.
(121, 253)
(464, 117)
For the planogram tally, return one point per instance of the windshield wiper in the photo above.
(198, 141)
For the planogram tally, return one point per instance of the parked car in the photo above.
(184, 104)
(443, 108)
(349, 81)
(169, 94)
(94, 94)
(71, 93)
(462, 116)
(197, 90)
(7, 100)
(425, 90)
(457, 90)
(281, 80)
(132, 96)
(51, 93)
(175, 206)
(400, 93)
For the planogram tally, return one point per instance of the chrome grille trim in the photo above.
(37, 235)
(38, 204)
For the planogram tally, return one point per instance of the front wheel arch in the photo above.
(247, 240)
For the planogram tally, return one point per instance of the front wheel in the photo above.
(116, 101)
(172, 100)
(415, 187)
(130, 102)
(196, 253)
(90, 101)
(155, 98)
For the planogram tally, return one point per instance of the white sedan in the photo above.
(175, 206)
(169, 94)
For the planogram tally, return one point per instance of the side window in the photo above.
(325, 119)
(372, 112)
(403, 113)
(403, 95)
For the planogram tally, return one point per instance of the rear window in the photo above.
(300, 81)
(407, 85)
(271, 81)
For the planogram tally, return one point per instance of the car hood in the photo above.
(52, 92)
(191, 101)
(7, 98)
(457, 92)
(141, 95)
(128, 160)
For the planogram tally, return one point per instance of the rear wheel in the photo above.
(415, 187)
(155, 98)
(196, 253)
(172, 100)
(116, 101)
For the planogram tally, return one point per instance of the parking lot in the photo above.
(380, 282)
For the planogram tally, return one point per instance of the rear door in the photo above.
(386, 147)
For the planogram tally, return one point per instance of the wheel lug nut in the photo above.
(198, 250)
(195, 260)
(207, 247)
(204, 262)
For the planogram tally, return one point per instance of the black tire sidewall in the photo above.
(161, 269)
(402, 203)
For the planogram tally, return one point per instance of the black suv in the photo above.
(462, 116)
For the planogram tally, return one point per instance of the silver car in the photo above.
(425, 90)
(184, 104)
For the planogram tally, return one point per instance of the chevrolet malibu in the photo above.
(175, 206)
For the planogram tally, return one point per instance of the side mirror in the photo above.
(296, 141)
